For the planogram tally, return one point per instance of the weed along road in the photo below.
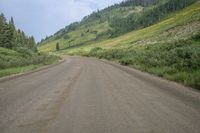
(86, 95)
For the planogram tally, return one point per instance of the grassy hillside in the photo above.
(170, 48)
(177, 26)
(90, 30)
(113, 21)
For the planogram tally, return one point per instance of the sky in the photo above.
(42, 18)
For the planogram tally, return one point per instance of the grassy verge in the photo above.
(178, 61)
(11, 71)
(23, 69)
(13, 62)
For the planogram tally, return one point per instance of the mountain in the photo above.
(161, 37)
(113, 21)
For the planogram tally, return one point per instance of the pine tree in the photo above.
(32, 44)
(14, 39)
(2, 28)
(57, 46)
(7, 37)
(12, 32)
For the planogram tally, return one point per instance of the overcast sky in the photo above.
(44, 17)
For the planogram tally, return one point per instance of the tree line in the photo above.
(13, 38)
(148, 17)
(137, 2)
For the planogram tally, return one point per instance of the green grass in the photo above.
(188, 78)
(178, 61)
(10, 58)
(17, 70)
(12, 62)
(80, 36)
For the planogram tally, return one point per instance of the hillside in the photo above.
(112, 22)
(180, 25)
(168, 47)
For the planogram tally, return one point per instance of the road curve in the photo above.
(86, 95)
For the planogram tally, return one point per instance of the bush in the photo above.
(126, 61)
(196, 37)
(9, 58)
(94, 51)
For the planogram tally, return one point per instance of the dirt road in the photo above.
(83, 95)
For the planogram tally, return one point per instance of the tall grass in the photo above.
(179, 61)
(12, 59)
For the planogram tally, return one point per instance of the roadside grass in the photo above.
(23, 69)
(188, 78)
(12, 62)
(16, 70)
(178, 61)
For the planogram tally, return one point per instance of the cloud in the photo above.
(44, 17)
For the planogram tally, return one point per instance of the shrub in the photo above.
(94, 51)
(8, 60)
(180, 60)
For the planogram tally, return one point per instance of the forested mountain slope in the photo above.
(166, 44)
(113, 21)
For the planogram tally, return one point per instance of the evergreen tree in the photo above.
(7, 37)
(12, 33)
(57, 46)
(14, 39)
(32, 44)
(2, 28)
(148, 17)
